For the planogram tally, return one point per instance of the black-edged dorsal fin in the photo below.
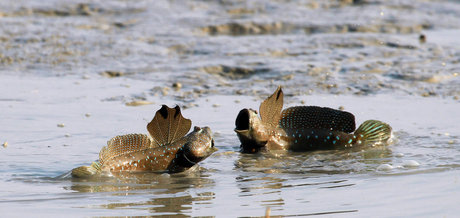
(270, 108)
(168, 125)
(124, 144)
(313, 117)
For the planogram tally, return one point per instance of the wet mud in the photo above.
(74, 74)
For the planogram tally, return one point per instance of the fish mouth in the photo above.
(213, 148)
(242, 120)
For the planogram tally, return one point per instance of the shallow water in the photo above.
(68, 72)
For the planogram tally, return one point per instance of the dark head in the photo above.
(199, 145)
(251, 131)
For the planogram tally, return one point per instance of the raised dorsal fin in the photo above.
(123, 144)
(313, 117)
(168, 125)
(270, 109)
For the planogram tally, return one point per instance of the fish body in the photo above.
(175, 157)
(167, 150)
(304, 128)
(317, 139)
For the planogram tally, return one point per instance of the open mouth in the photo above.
(242, 120)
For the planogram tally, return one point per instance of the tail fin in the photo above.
(86, 171)
(373, 132)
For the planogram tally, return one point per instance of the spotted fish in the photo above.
(168, 149)
(304, 128)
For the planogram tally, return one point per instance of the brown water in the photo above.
(68, 68)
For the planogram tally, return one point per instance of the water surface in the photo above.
(70, 69)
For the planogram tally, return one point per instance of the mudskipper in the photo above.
(168, 149)
(304, 128)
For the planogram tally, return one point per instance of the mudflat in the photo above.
(74, 74)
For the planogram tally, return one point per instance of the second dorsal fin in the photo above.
(168, 125)
(270, 109)
(313, 117)
(123, 144)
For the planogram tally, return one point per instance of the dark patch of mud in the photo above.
(251, 28)
(366, 28)
(233, 72)
(112, 74)
(81, 9)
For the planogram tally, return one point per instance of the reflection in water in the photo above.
(270, 175)
(176, 205)
(315, 163)
(167, 194)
